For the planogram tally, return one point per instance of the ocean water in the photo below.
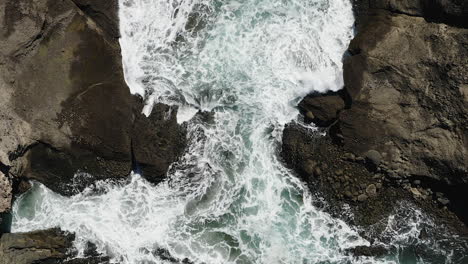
(229, 199)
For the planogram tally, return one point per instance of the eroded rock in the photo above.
(40, 247)
(405, 112)
(5, 193)
(409, 108)
(65, 106)
(323, 109)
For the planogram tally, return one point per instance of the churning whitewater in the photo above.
(234, 71)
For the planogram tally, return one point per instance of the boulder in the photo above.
(371, 190)
(362, 197)
(374, 157)
(322, 109)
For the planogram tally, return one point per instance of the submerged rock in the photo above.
(374, 157)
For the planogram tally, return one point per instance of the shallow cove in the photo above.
(229, 199)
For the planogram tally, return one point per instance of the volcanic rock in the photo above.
(406, 111)
(40, 247)
(67, 116)
(323, 109)
(413, 107)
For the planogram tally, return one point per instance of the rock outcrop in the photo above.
(67, 117)
(410, 104)
(321, 109)
(43, 247)
(402, 131)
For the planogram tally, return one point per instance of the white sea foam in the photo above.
(229, 199)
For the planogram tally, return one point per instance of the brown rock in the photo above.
(322, 109)
(416, 193)
(46, 246)
(371, 190)
(318, 172)
(362, 197)
(27, 248)
(374, 157)
(409, 107)
(309, 166)
(69, 104)
(5, 193)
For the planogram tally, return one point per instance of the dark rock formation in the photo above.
(402, 134)
(42, 247)
(451, 12)
(157, 142)
(368, 251)
(104, 12)
(409, 104)
(322, 109)
(67, 117)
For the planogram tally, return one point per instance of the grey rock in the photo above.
(371, 190)
(349, 156)
(443, 201)
(348, 194)
(5, 193)
(362, 197)
(317, 171)
(374, 157)
(27, 248)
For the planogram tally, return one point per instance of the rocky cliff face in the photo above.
(40, 247)
(400, 124)
(67, 117)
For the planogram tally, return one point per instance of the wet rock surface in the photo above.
(322, 109)
(43, 247)
(5, 193)
(67, 116)
(402, 132)
(348, 187)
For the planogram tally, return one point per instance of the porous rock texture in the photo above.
(67, 117)
(400, 131)
(43, 247)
